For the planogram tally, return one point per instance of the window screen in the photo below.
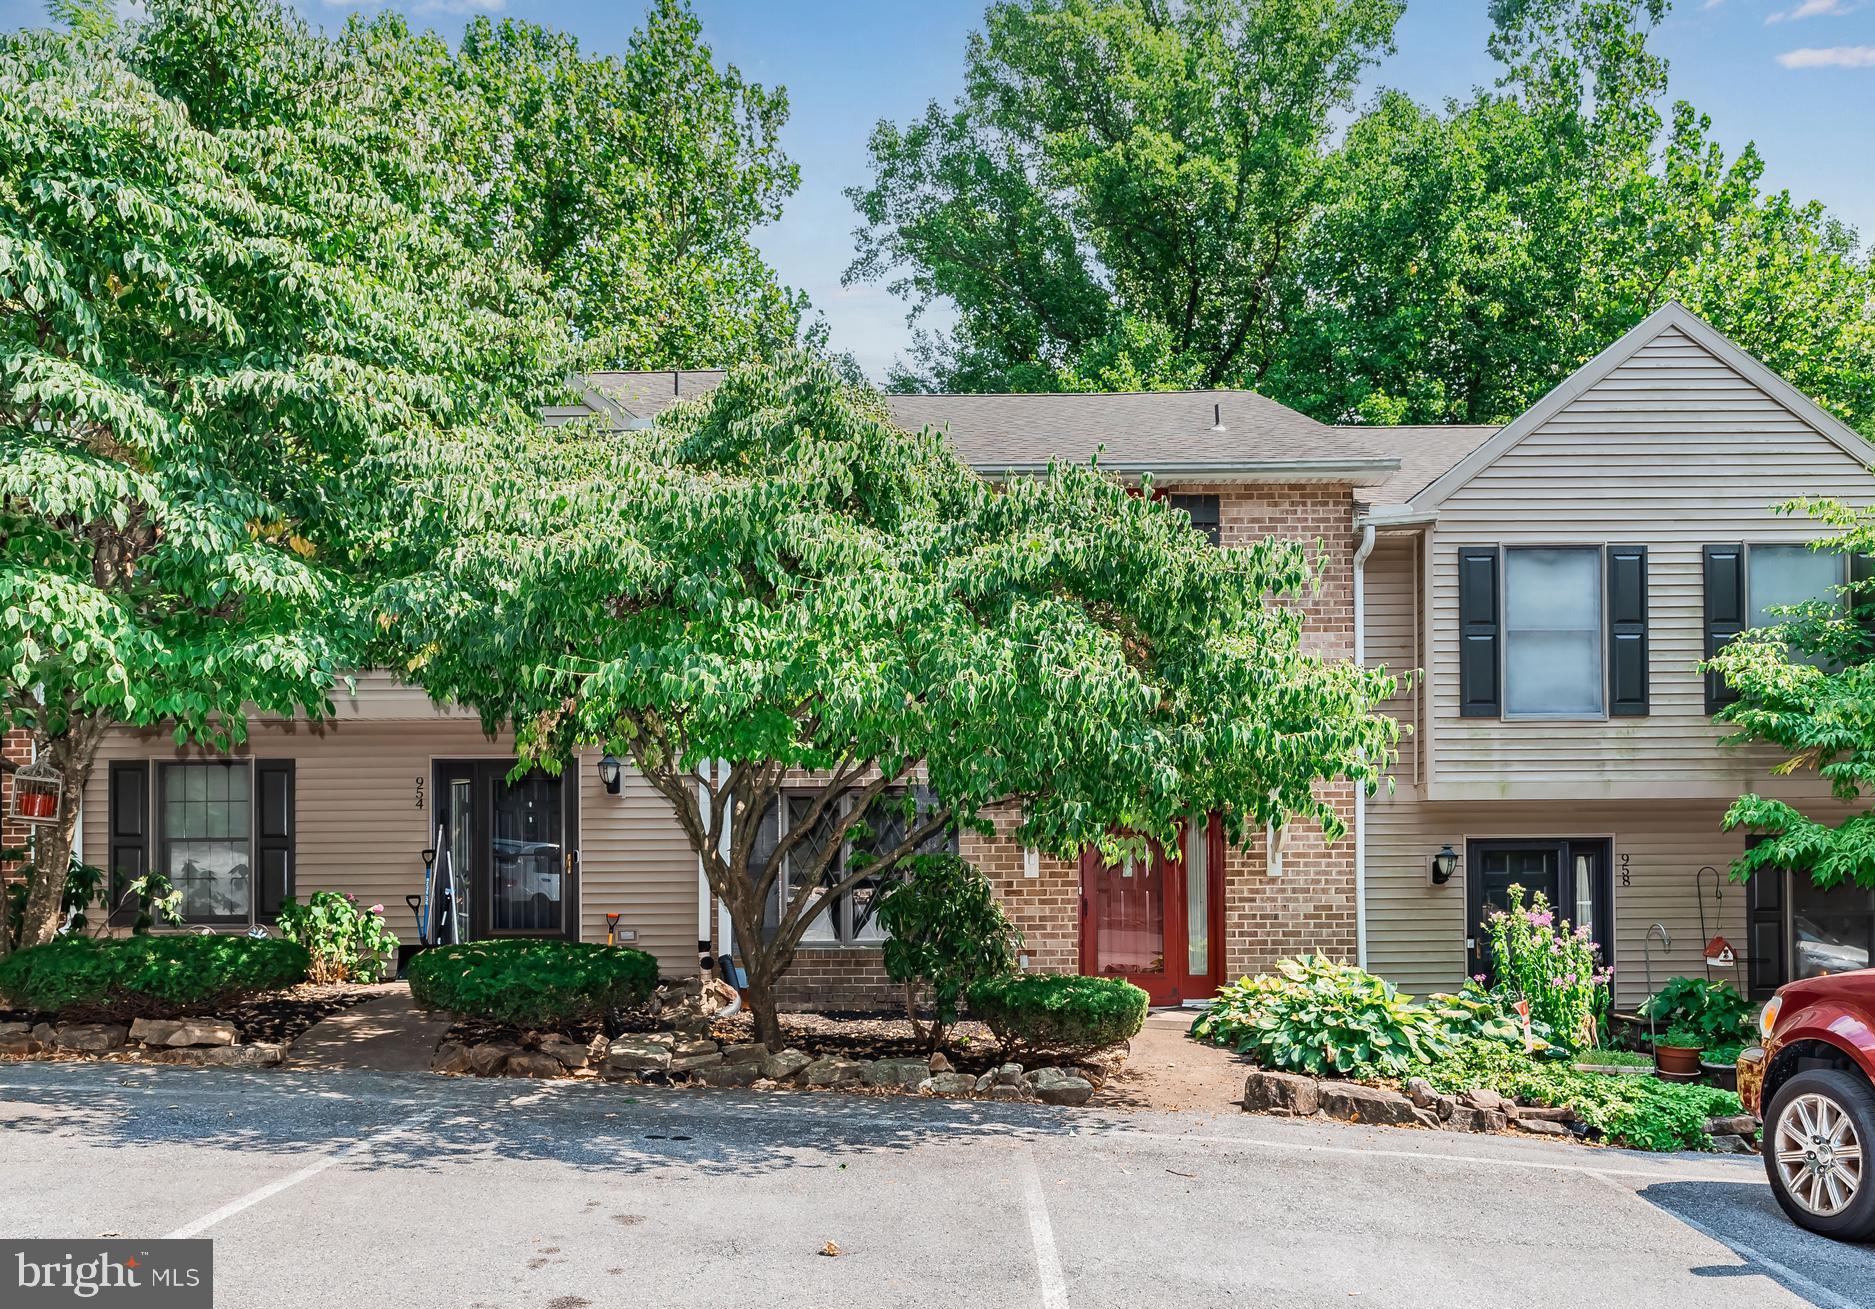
(1553, 652)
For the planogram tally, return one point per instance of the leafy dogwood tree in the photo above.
(220, 285)
(864, 631)
(1807, 685)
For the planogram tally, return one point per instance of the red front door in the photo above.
(1152, 920)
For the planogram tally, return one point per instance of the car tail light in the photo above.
(1767, 1020)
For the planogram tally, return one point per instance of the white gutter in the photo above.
(1361, 552)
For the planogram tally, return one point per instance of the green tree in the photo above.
(223, 288)
(774, 577)
(944, 931)
(633, 183)
(1806, 684)
(1464, 262)
(1119, 193)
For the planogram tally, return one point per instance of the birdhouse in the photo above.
(1719, 951)
(38, 793)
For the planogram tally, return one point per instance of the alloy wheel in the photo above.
(1818, 1155)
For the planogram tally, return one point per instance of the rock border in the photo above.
(685, 1059)
(1298, 1095)
(213, 1042)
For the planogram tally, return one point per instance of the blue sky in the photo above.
(1796, 76)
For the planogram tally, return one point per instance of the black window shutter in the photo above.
(1627, 631)
(128, 852)
(1862, 592)
(1764, 913)
(1478, 693)
(1725, 613)
(273, 832)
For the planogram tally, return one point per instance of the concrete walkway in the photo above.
(385, 1035)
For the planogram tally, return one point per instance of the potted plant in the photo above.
(1720, 1065)
(1676, 1052)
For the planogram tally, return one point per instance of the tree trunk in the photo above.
(762, 1009)
(72, 754)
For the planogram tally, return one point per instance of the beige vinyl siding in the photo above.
(362, 814)
(1673, 450)
(1416, 931)
(1392, 636)
(636, 862)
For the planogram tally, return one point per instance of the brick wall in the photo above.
(17, 747)
(1309, 906)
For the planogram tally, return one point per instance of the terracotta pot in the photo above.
(1678, 1060)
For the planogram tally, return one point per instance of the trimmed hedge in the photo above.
(1058, 1011)
(528, 983)
(147, 976)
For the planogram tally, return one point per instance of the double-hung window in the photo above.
(1553, 643)
(206, 839)
(1747, 586)
(846, 918)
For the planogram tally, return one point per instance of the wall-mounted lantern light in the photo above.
(1444, 864)
(609, 774)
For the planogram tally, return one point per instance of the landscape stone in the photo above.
(786, 1065)
(257, 1054)
(1420, 1092)
(487, 1060)
(195, 1056)
(692, 1062)
(533, 1063)
(691, 1047)
(19, 1043)
(983, 1083)
(1057, 1086)
(1520, 1112)
(1444, 1106)
(948, 1084)
(203, 1031)
(570, 1055)
(154, 1031)
(1540, 1126)
(1264, 1091)
(1007, 1075)
(1365, 1104)
(630, 1055)
(831, 1070)
(1427, 1117)
(91, 1038)
(1468, 1118)
(451, 1057)
(1726, 1143)
(897, 1072)
(44, 1034)
(728, 1074)
(745, 1052)
(1004, 1091)
(1480, 1098)
(1736, 1125)
(11, 1029)
(940, 1063)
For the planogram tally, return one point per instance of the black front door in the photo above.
(509, 847)
(1572, 874)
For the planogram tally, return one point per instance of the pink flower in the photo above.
(377, 908)
(1542, 917)
(1478, 978)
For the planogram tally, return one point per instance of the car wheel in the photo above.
(1818, 1133)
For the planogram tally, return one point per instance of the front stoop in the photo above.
(386, 1035)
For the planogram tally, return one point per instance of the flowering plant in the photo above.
(347, 942)
(1550, 964)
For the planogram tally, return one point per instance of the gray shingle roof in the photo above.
(1165, 432)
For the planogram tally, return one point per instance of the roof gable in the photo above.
(1669, 318)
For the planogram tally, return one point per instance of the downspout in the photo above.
(1361, 552)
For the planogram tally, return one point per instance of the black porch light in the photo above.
(609, 774)
(1444, 864)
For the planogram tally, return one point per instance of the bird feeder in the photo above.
(38, 793)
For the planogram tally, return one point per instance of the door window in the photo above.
(527, 855)
(1129, 909)
(1198, 897)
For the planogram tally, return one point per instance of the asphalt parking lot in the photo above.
(425, 1191)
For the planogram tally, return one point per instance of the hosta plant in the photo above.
(1313, 1015)
(1487, 1015)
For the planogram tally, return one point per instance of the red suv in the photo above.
(1813, 1082)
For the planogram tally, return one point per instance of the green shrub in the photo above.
(1683, 1036)
(147, 976)
(1715, 1011)
(347, 942)
(1615, 1058)
(1316, 1016)
(1643, 1112)
(944, 932)
(530, 983)
(1059, 1012)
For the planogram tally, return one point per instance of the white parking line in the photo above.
(311, 1170)
(1042, 1232)
(1815, 1292)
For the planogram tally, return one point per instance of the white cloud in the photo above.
(460, 6)
(1835, 56)
(1816, 9)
